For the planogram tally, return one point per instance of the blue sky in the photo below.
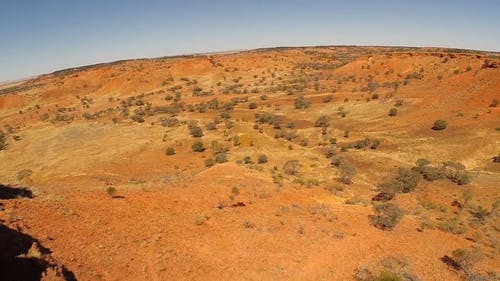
(42, 36)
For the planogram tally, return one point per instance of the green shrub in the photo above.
(170, 151)
(440, 125)
(387, 216)
(198, 147)
(262, 159)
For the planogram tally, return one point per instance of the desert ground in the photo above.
(314, 163)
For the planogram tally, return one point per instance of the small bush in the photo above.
(467, 261)
(361, 144)
(421, 162)
(170, 151)
(322, 121)
(301, 103)
(440, 125)
(456, 172)
(247, 160)
(393, 112)
(399, 103)
(328, 99)
(375, 96)
(406, 181)
(198, 147)
(236, 140)
(252, 105)
(221, 157)
(291, 167)
(388, 276)
(111, 191)
(374, 143)
(23, 174)
(346, 173)
(211, 126)
(209, 162)
(262, 159)
(196, 132)
(235, 191)
(337, 160)
(494, 103)
(453, 225)
(304, 142)
(429, 173)
(3, 140)
(386, 217)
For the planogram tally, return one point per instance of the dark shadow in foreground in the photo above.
(22, 257)
(9, 192)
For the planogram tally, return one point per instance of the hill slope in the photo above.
(301, 147)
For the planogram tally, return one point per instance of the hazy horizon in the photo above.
(39, 38)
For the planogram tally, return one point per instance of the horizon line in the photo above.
(236, 51)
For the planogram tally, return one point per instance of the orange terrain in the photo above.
(317, 163)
